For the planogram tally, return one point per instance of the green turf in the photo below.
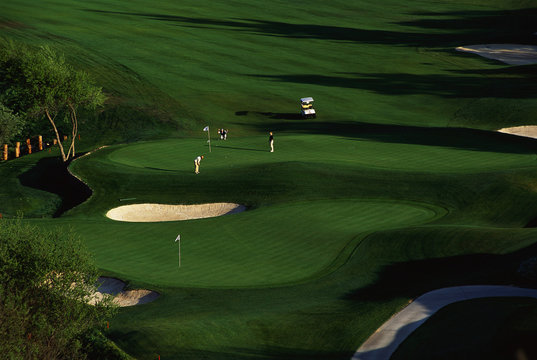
(386, 195)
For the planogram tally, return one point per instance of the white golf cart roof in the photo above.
(307, 99)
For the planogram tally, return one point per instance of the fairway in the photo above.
(400, 185)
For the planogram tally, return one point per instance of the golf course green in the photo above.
(401, 185)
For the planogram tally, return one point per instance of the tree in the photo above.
(47, 277)
(10, 124)
(40, 83)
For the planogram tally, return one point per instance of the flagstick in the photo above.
(209, 135)
(178, 239)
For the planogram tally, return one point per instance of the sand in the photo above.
(512, 54)
(526, 131)
(114, 287)
(135, 297)
(162, 212)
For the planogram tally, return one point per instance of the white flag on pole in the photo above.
(178, 239)
(206, 128)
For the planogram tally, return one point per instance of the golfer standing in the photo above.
(197, 162)
(271, 142)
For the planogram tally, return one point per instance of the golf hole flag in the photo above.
(178, 239)
(208, 136)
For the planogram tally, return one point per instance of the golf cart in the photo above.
(306, 107)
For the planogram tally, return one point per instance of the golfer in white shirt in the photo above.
(197, 162)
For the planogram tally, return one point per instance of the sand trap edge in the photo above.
(115, 288)
(512, 54)
(149, 212)
(529, 131)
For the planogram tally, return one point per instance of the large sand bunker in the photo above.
(114, 287)
(512, 54)
(162, 212)
(527, 131)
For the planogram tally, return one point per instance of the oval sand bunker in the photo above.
(162, 212)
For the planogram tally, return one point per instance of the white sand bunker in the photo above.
(114, 287)
(527, 131)
(162, 212)
(512, 54)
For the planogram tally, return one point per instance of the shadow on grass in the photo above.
(466, 27)
(51, 175)
(271, 115)
(506, 83)
(159, 169)
(231, 353)
(413, 278)
(238, 148)
(486, 329)
(498, 25)
(459, 138)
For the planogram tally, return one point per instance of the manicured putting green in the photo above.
(179, 154)
(266, 246)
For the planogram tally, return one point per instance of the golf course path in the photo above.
(383, 343)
